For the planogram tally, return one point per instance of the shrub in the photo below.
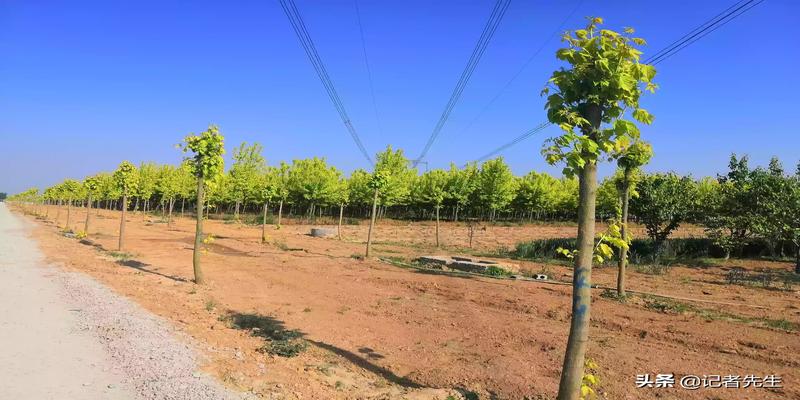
(493, 270)
(644, 251)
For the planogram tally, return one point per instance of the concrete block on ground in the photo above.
(321, 232)
(467, 264)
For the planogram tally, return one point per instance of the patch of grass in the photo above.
(667, 306)
(307, 309)
(496, 271)
(671, 306)
(285, 347)
(210, 305)
(651, 269)
(395, 259)
(765, 279)
(357, 256)
(120, 255)
(782, 324)
(280, 341)
(613, 295)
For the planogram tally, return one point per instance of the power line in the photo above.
(301, 31)
(369, 69)
(721, 19)
(703, 30)
(516, 140)
(489, 29)
(524, 67)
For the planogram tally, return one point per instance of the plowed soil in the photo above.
(377, 330)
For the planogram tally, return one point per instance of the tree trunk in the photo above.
(69, 212)
(236, 211)
(122, 222)
(264, 223)
(341, 214)
(198, 235)
(455, 214)
(572, 371)
(88, 214)
(623, 253)
(372, 221)
(169, 216)
(183, 204)
(797, 259)
(437, 226)
(280, 212)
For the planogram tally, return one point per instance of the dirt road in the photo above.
(42, 356)
(65, 336)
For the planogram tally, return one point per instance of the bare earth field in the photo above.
(380, 331)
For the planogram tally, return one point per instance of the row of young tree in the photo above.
(312, 187)
(736, 208)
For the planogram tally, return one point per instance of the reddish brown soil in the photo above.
(380, 331)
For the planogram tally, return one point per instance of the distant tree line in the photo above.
(743, 205)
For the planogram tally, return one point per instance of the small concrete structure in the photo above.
(467, 264)
(321, 232)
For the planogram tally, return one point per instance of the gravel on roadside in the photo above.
(156, 360)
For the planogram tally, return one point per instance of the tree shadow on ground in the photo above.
(260, 325)
(135, 264)
(142, 267)
(367, 365)
(288, 341)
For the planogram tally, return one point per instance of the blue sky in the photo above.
(84, 85)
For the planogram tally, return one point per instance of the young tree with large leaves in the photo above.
(664, 202)
(91, 186)
(147, 181)
(71, 190)
(281, 188)
(313, 181)
(496, 186)
(394, 166)
(207, 164)
(390, 183)
(629, 163)
(588, 102)
(267, 191)
(125, 180)
(187, 184)
(461, 184)
(168, 185)
(358, 188)
(341, 196)
(248, 164)
(431, 189)
(378, 182)
(536, 193)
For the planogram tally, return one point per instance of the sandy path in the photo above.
(63, 335)
(42, 354)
